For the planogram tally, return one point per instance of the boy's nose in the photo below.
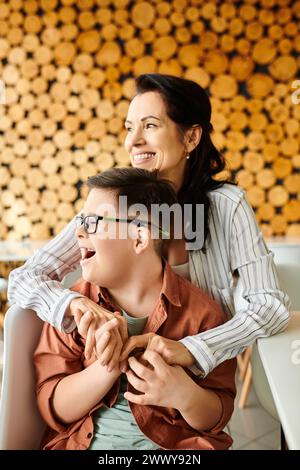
(80, 232)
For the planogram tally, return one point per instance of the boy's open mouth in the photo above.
(86, 253)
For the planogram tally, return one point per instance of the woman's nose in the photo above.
(136, 137)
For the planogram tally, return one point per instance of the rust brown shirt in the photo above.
(182, 310)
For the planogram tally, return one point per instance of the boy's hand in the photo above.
(171, 351)
(160, 384)
(108, 346)
(88, 317)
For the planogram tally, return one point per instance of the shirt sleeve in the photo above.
(37, 284)
(265, 308)
(221, 381)
(56, 356)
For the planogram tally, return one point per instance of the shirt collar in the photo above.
(170, 287)
(100, 295)
(170, 290)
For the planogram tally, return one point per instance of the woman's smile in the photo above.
(141, 158)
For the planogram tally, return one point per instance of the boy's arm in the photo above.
(77, 394)
(222, 381)
(65, 390)
(200, 408)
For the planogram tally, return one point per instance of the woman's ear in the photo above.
(192, 137)
(142, 239)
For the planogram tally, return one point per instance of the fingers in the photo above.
(90, 340)
(122, 327)
(109, 350)
(155, 360)
(108, 326)
(114, 360)
(83, 321)
(139, 369)
(160, 345)
(139, 399)
(102, 342)
(83, 304)
(111, 354)
(77, 316)
(133, 342)
(123, 366)
(106, 347)
(91, 332)
(136, 382)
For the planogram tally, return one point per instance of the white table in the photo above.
(280, 355)
(285, 249)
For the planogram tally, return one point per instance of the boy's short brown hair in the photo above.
(140, 187)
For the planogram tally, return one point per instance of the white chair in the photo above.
(21, 426)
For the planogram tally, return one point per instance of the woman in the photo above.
(169, 129)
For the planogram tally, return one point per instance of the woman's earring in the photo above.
(188, 156)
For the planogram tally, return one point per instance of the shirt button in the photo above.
(89, 435)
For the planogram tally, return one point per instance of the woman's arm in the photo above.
(37, 284)
(77, 394)
(265, 307)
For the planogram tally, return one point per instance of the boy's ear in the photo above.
(142, 239)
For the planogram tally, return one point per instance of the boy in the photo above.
(83, 402)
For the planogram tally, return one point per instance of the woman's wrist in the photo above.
(69, 312)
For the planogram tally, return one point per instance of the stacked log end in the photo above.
(69, 67)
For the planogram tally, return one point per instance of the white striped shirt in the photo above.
(235, 247)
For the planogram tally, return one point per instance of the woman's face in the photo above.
(153, 140)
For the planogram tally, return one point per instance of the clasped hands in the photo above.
(158, 368)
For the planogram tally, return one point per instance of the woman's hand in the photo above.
(171, 351)
(159, 384)
(89, 317)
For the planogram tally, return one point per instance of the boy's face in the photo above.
(106, 265)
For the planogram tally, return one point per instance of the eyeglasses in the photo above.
(90, 223)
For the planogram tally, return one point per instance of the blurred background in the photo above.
(68, 69)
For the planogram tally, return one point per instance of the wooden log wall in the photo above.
(68, 68)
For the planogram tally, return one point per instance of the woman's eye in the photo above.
(129, 129)
(150, 124)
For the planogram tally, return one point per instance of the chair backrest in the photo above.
(289, 277)
(289, 280)
(21, 426)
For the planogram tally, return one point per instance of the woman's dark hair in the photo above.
(187, 104)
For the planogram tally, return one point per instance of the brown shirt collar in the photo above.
(169, 290)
